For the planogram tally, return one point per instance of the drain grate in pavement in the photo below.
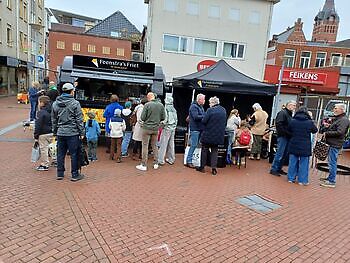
(15, 140)
(258, 203)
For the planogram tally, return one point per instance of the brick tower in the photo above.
(326, 24)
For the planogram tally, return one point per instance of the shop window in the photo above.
(174, 43)
(60, 45)
(91, 48)
(214, 11)
(106, 50)
(305, 59)
(9, 38)
(320, 59)
(76, 47)
(336, 60)
(170, 5)
(234, 14)
(254, 17)
(205, 47)
(289, 58)
(193, 8)
(347, 61)
(120, 52)
(233, 50)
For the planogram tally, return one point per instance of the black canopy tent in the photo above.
(233, 88)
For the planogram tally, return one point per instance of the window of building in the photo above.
(347, 61)
(25, 12)
(214, 11)
(78, 22)
(174, 43)
(234, 14)
(40, 4)
(115, 34)
(9, 4)
(76, 47)
(120, 52)
(91, 48)
(9, 38)
(289, 55)
(60, 45)
(320, 59)
(233, 50)
(106, 50)
(254, 17)
(193, 8)
(336, 60)
(0, 30)
(25, 43)
(170, 5)
(205, 47)
(305, 58)
(21, 11)
(21, 40)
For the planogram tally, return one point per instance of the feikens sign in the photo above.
(304, 77)
(113, 65)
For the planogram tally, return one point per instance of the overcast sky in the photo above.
(285, 13)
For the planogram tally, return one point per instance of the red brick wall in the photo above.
(56, 55)
(325, 32)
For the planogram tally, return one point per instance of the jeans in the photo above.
(71, 143)
(33, 108)
(148, 135)
(298, 167)
(231, 139)
(44, 141)
(92, 149)
(213, 155)
(167, 146)
(332, 163)
(282, 148)
(194, 137)
(126, 141)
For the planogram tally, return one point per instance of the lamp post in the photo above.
(278, 90)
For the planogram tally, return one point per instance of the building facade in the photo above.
(191, 31)
(22, 44)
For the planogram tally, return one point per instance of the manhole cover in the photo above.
(258, 203)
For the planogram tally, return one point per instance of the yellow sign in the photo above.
(98, 112)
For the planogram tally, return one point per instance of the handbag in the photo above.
(83, 158)
(35, 153)
(321, 149)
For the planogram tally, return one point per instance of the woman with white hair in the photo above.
(258, 122)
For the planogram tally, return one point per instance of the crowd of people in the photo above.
(150, 126)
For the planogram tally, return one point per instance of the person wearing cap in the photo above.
(258, 121)
(52, 93)
(68, 126)
(117, 127)
(126, 114)
(167, 145)
(93, 131)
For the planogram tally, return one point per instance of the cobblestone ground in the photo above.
(174, 214)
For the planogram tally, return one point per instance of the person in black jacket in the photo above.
(213, 134)
(335, 135)
(300, 128)
(43, 131)
(282, 121)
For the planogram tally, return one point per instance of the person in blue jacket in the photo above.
(34, 94)
(93, 131)
(300, 127)
(108, 114)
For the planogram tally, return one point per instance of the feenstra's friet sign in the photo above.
(113, 65)
(309, 77)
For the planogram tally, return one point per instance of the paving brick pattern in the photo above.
(119, 214)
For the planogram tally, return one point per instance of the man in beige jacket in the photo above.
(258, 119)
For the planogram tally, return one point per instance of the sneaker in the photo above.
(141, 167)
(200, 169)
(214, 172)
(291, 182)
(155, 166)
(54, 164)
(275, 173)
(77, 178)
(42, 168)
(161, 164)
(323, 179)
(327, 184)
(125, 155)
(304, 184)
(190, 165)
(59, 178)
(282, 172)
(168, 161)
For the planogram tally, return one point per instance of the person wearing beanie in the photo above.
(116, 126)
(167, 145)
(93, 131)
(126, 114)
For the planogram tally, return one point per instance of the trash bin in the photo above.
(180, 139)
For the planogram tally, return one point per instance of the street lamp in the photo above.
(275, 103)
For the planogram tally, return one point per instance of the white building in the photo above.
(182, 33)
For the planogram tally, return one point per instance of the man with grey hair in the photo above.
(282, 121)
(258, 129)
(335, 133)
(196, 113)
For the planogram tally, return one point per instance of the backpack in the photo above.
(244, 138)
(133, 118)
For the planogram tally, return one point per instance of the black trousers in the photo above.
(213, 154)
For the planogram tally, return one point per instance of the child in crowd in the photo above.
(117, 126)
(93, 131)
(243, 142)
(43, 131)
(126, 114)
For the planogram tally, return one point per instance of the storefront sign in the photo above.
(299, 76)
(113, 65)
(205, 64)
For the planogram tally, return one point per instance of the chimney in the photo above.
(298, 25)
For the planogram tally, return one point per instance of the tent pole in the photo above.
(193, 92)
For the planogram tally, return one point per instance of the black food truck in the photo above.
(97, 78)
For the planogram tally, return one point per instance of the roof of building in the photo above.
(283, 37)
(116, 25)
(59, 13)
(327, 11)
(343, 43)
(66, 28)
